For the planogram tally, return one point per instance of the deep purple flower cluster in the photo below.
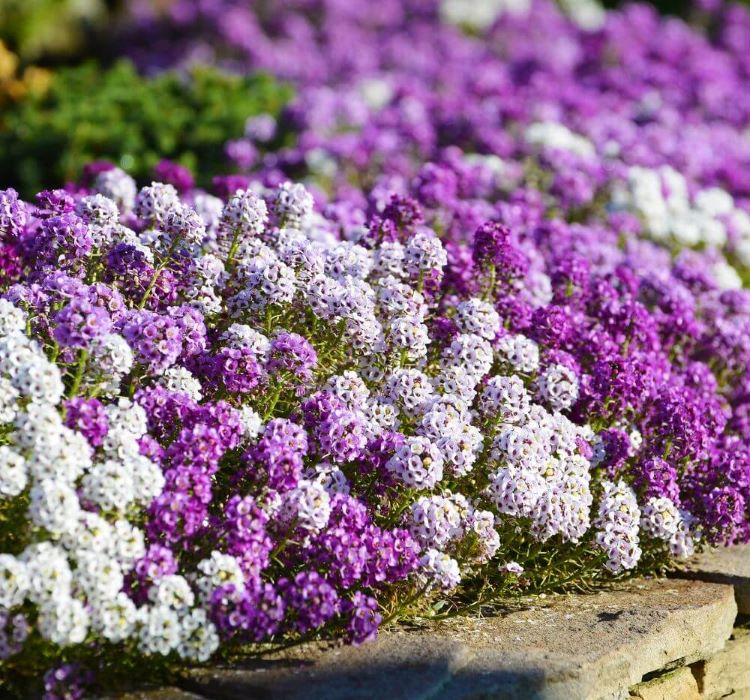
(88, 417)
(156, 339)
(290, 352)
(79, 322)
(277, 458)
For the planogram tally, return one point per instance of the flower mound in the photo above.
(255, 419)
(301, 428)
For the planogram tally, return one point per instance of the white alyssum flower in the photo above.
(63, 621)
(96, 576)
(13, 472)
(39, 380)
(409, 389)
(12, 319)
(114, 618)
(111, 358)
(65, 458)
(558, 386)
(159, 630)
(480, 14)
(329, 476)
(478, 317)
(618, 521)
(153, 202)
(438, 570)
(660, 518)
(424, 253)
(556, 136)
(199, 638)
(520, 352)
(118, 186)
(505, 399)
(54, 506)
(49, 572)
(418, 463)
(252, 423)
(239, 335)
(217, 571)
(8, 400)
(109, 485)
(436, 520)
(91, 532)
(128, 544)
(350, 388)
(172, 591)
(182, 381)
(470, 352)
(307, 505)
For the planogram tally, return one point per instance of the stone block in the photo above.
(679, 684)
(730, 565)
(560, 647)
(728, 672)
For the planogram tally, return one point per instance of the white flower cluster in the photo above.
(117, 185)
(154, 202)
(540, 473)
(617, 522)
(443, 523)
(307, 505)
(417, 463)
(110, 360)
(480, 14)
(520, 352)
(182, 381)
(438, 570)
(447, 423)
(558, 386)
(663, 520)
(73, 569)
(660, 198)
(556, 136)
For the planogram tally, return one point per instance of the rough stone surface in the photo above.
(396, 666)
(156, 694)
(679, 684)
(728, 671)
(559, 647)
(729, 565)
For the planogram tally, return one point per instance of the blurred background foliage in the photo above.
(63, 102)
(87, 114)
(52, 29)
(15, 83)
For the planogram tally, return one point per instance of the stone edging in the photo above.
(672, 639)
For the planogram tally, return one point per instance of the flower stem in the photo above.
(83, 356)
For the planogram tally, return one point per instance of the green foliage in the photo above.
(49, 28)
(88, 114)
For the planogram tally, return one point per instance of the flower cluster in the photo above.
(275, 413)
(585, 105)
(373, 419)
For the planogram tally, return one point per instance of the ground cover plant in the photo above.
(478, 329)
(248, 422)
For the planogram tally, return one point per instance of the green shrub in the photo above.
(89, 114)
(53, 29)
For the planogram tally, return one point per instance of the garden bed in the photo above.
(467, 323)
